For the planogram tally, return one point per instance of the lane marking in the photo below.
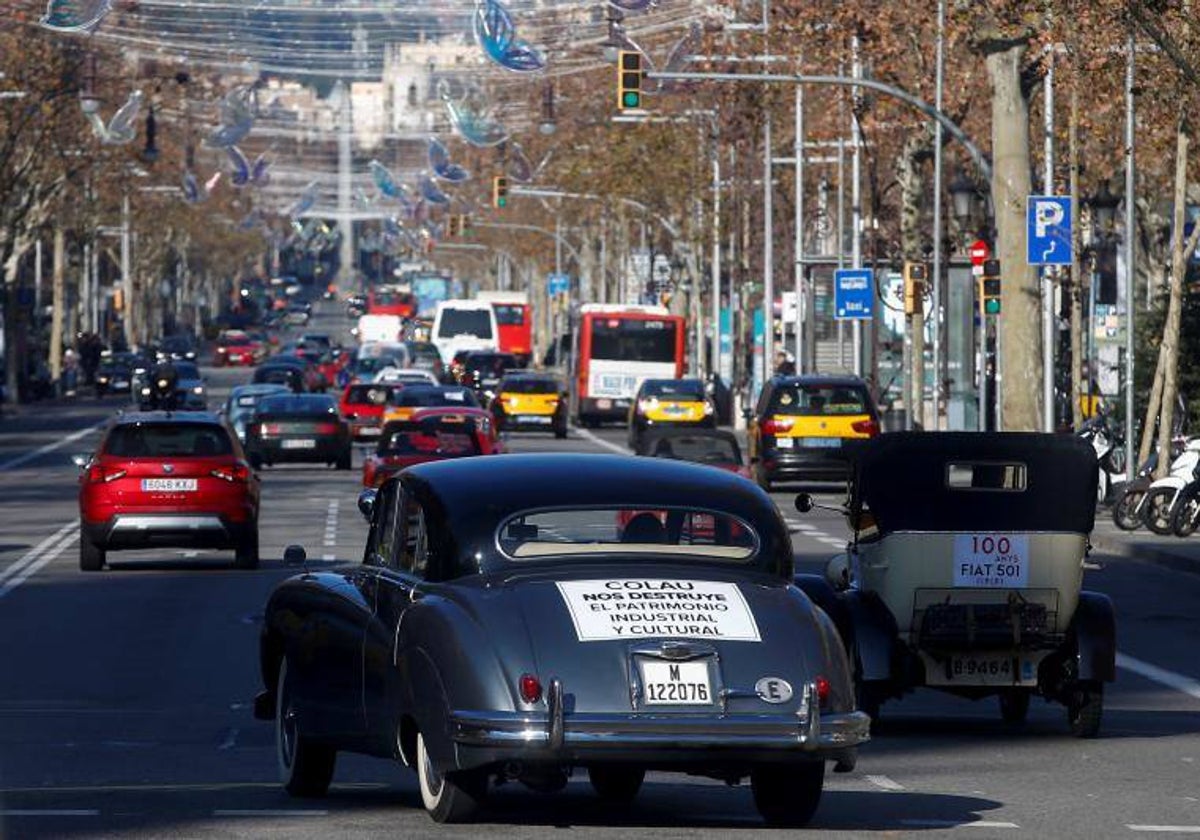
(331, 524)
(328, 557)
(33, 553)
(884, 783)
(587, 434)
(268, 812)
(49, 556)
(959, 824)
(49, 812)
(50, 447)
(1162, 676)
(1167, 829)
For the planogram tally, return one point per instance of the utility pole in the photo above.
(802, 365)
(1047, 271)
(856, 210)
(1131, 464)
(768, 303)
(935, 274)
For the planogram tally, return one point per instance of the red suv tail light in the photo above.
(326, 428)
(271, 428)
(823, 692)
(776, 425)
(236, 472)
(101, 474)
(866, 427)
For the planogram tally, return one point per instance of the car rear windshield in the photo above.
(529, 386)
(416, 395)
(476, 322)
(581, 534)
(674, 390)
(298, 404)
(368, 394)
(445, 438)
(167, 440)
(817, 400)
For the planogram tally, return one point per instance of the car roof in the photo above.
(476, 495)
(131, 417)
(820, 379)
(258, 388)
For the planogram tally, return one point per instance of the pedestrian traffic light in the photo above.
(989, 288)
(629, 80)
(914, 286)
(500, 191)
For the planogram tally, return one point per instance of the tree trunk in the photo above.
(57, 281)
(908, 176)
(1149, 429)
(1020, 351)
(1170, 341)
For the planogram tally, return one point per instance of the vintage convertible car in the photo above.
(510, 622)
(965, 572)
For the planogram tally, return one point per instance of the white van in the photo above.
(464, 325)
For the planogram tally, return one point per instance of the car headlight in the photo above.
(145, 392)
(199, 389)
(163, 383)
(103, 380)
(708, 408)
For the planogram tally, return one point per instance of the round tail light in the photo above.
(530, 688)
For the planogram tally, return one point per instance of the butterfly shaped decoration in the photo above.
(439, 162)
(74, 15)
(496, 35)
(122, 128)
(384, 180)
(193, 191)
(244, 173)
(472, 125)
(237, 118)
(633, 5)
(431, 193)
(677, 58)
(519, 168)
(305, 202)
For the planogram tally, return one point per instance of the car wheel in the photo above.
(448, 797)
(1127, 511)
(343, 461)
(246, 553)
(305, 769)
(1014, 705)
(91, 556)
(616, 782)
(1085, 708)
(1156, 512)
(788, 795)
(1187, 512)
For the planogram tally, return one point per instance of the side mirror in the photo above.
(804, 502)
(366, 503)
(81, 459)
(294, 555)
(837, 572)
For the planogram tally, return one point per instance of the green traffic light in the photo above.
(631, 99)
(501, 201)
(991, 306)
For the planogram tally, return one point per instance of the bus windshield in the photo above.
(510, 314)
(476, 322)
(633, 339)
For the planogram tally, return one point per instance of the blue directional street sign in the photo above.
(854, 294)
(558, 284)
(1049, 220)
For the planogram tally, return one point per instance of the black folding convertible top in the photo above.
(903, 479)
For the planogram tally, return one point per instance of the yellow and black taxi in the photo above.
(530, 401)
(669, 403)
(802, 427)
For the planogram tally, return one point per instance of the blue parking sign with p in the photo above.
(1048, 222)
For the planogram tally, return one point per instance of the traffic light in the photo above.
(914, 286)
(629, 80)
(454, 226)
(500, 191)
(989, 288)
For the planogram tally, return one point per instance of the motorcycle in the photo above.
(1162, 496)
(1109, 449)
(160, 393)
(1127, 507)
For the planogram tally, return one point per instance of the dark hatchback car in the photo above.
(426, 356)
(482, 371)
(115, 373)
(304, 428)
(805, 428)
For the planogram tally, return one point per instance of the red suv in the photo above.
(168, 479)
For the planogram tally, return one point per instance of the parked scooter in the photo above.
(1158, 506)
(1109, 449)
(1127, 507)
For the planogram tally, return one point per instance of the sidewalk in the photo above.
(1181, 555)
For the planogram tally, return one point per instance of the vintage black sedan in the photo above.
(516, 618)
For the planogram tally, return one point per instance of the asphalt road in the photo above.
(125, 697)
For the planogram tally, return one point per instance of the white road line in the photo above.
(49, 812)
(50, 447)
(268, 812)
(49, 556)
(804, 526)
(1162, 676)
(328, 557)
(884, 783)
(607, 444)
(1166, 829)
(958, 824)
(34, 552)
(331, 523)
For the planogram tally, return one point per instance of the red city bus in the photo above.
(514, 322)
(616, 347)
(388, 300)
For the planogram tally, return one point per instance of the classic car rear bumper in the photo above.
(487, 737)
